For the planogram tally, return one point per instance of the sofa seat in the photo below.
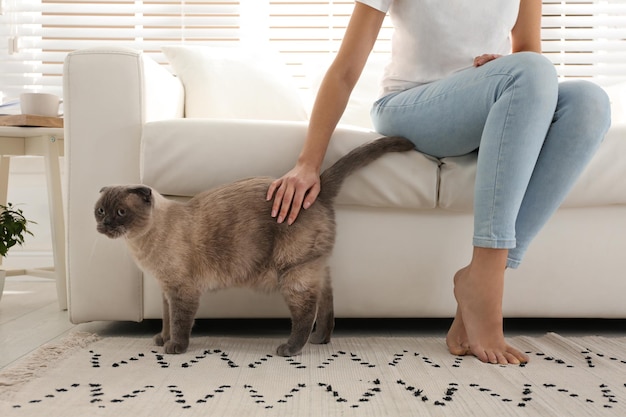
(220, 151)
(403, 181)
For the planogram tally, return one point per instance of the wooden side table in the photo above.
(46, 142)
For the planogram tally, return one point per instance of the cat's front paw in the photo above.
(159, 340)
(175, 348)
(286, 350)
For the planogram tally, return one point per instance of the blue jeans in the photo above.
(534, 137)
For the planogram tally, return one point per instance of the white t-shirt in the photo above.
(435, 38)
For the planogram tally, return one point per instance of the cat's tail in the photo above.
(332, 178)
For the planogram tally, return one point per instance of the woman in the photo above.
(466, 75)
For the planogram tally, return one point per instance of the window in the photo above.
(36, 35)
(309, 33)
(584, 38)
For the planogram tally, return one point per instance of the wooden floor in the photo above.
(30, 317)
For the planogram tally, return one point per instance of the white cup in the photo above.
(40, 104)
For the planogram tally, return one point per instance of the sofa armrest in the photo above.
(108, 96)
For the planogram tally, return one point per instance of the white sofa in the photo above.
(404, 223)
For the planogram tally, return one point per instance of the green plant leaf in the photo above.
(13, 227)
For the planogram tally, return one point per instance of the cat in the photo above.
(225, 237)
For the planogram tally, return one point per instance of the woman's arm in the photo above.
(301, 186)
(526, 34)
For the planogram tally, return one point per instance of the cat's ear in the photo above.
(142, 191)
(103, 189)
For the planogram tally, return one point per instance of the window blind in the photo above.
(583, 38)
(309, 33)
(36, 35)
(586, 38)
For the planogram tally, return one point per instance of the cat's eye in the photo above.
(100, 211)
(121, 212)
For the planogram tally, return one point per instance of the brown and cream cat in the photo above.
(225, 237)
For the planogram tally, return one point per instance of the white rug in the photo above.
(88, 376)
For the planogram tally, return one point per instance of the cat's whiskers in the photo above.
(93, 247)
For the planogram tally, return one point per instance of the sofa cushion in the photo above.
(602, 183)
(183, 157)
(235, 83)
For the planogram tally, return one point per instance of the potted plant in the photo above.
(13, 230)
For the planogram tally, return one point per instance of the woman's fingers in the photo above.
(285, 201)
(275, 191)
(291, 193)
(484, 58)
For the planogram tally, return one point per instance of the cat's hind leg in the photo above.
(182, 311)
(161, 338)
(325, 320)
(300, 287)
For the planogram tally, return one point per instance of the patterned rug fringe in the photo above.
(37, 363)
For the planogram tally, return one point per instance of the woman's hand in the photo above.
(296, 189)
(484, 58)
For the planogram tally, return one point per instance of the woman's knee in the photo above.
(534, 63)
(586, 104)
(532, 66)
(534, 74)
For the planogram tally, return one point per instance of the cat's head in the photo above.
(123, 210)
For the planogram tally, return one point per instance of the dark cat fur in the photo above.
(225, 237)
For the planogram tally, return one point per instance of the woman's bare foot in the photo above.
(477, 327)
(456, 339)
